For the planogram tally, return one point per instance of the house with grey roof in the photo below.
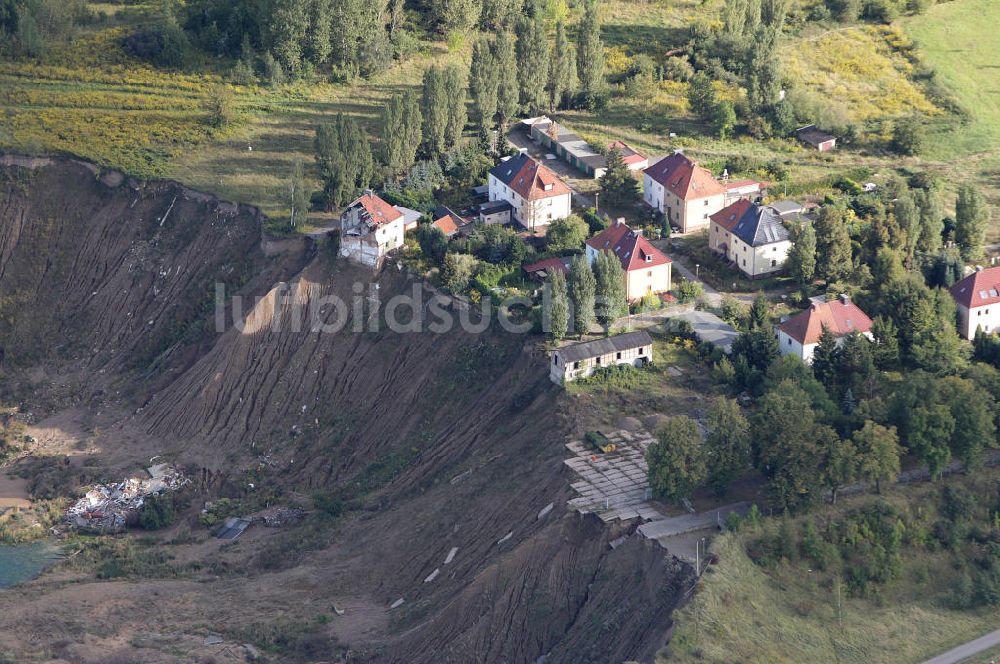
(581, 360)
(752, 236)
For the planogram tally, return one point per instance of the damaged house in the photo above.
(370, 229)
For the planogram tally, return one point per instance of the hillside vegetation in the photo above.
(789, 610)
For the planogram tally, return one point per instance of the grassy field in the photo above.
(958, 40)
(788, 613)
(91, 99)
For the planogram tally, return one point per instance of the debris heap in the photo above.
(107, 507)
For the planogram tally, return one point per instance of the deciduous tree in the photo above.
(727, 443)
(590, 55)
(972, 219)
(878, 450)
(676, 460)
(583, 289)
(559, 306)
(609, 302)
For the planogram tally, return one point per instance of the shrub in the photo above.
(157, 512)
(220, 106)
(688, 291)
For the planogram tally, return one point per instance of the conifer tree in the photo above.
(801, 261)
(345, 161)
(617, 184)
(833, 244)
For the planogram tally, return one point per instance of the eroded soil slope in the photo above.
(445, 448)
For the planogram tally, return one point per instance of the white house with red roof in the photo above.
(647, 269)
(370, 229)
(977, 299)
(537, 196)
(687, 194)
(799, 335)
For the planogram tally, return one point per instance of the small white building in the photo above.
(580, 360)
(752, 237)
(800, 334)
(370, 229)
(977, 299)
(536, 195)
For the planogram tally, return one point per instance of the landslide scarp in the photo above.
(448, 447)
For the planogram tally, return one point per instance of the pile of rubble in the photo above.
(107, 507)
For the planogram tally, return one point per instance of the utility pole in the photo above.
(597, 207)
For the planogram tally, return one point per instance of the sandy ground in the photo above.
(13, 492)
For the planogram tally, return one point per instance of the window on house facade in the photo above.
(642, 351)
(789, 341)
(774, 263)
(555, 360)
(576, 365)
(619, 356)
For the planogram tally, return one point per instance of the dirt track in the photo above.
(459, 443)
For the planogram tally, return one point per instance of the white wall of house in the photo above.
(687, 215)
(987, 317)
(754, 262)
(531, 214)
(561, 372)
(641, 281)
(789, 346)
(370, 249)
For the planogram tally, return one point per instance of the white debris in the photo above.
(451, 555)
(546, 510)
(398, 603)
(432, 575)
(505, 537)
(105, 507)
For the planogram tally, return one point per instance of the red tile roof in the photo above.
(548, 265)
(728, 216)
(529, 179)
(840, 316)
(633, 250)
(380, 211)
(629, 154)
(978, 289)
(684, 178)
(446, 224)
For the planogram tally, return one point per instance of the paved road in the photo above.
(966, 650)
(678, 525)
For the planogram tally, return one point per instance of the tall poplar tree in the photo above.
(435, 110)
(582, 290)
(609, 303)
(558, 306)
(972, 219)
(507, 92)
(562, 70)
(456, 85)
(401, 132)
(590, 55)
(484, 82)
(532, 62)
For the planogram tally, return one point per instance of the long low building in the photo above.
(577, 152)
(576, 361)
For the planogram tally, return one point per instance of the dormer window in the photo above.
(649, 258)
(548, 187)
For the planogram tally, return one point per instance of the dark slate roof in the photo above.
(760, 225)
(493, 207)
(619, 342)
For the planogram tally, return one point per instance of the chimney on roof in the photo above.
(678, 150)
(369, 192)
(845, 299)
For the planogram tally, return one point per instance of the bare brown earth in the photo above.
(437, 441)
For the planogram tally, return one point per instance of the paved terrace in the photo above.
(613, 485)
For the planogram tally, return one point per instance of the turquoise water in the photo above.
(22, 562)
